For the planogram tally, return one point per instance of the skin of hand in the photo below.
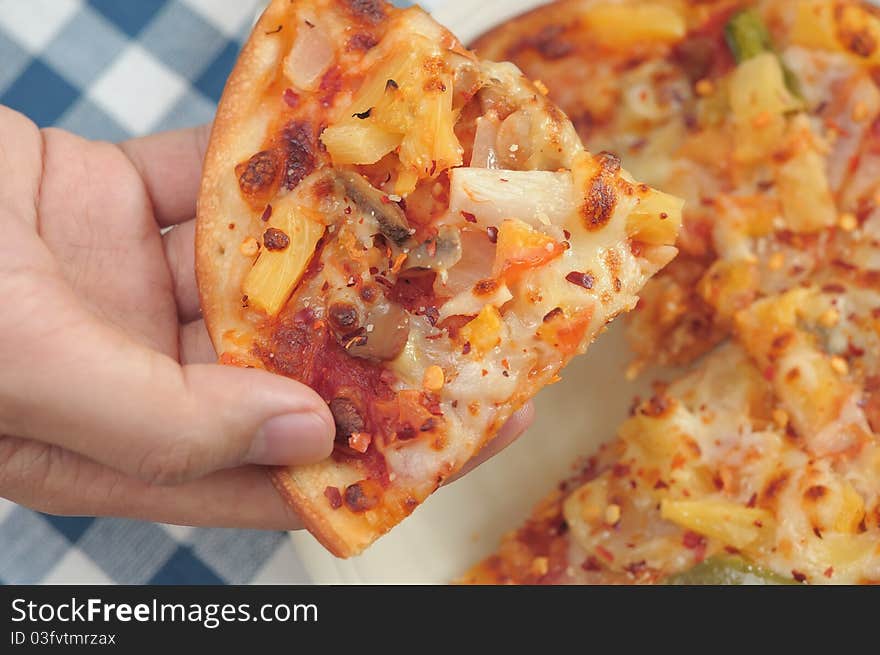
(111, 403)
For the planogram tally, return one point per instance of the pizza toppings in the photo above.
(275, 239)
(412, 216)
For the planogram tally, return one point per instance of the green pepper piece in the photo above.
(723, 570)
(747, 36)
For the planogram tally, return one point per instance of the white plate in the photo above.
(460, 524)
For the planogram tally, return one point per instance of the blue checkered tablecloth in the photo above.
(113, 69)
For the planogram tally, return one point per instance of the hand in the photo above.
(110, 401)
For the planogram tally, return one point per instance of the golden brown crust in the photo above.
(314, 519)
(215, 268)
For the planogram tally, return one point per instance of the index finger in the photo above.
(170, 164)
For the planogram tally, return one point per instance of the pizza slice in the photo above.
(416, 234)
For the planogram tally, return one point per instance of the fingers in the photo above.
(195, 344)
(20, 165)
(89, 389)
(56, 481)
(170, 165)
(180, 252)
(517, 424)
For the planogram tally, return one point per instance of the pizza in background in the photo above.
(762, 463)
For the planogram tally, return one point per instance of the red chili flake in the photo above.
(244, 301)
(752, 500)
(554, 313)
(692, 540)
(584, 280)
(347, 211)
(661, 485)
(829, 571)
(466, 348)
(386, 200)
(797, 575)
(663, 216)
(231, 226)
(591, 564)
(428, 425)
(604, 553)
(834, 288)
(290, 97)
(362, 496)
(267, 213)
(731, 550)
(492, 233)
(566, 234)
(332, 494)
(620, 470)
(635, 568)
(432, 314)
(470, 218)
(769, 373)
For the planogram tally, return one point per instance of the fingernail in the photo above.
(291, 439)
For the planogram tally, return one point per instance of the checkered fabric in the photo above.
(114, 69)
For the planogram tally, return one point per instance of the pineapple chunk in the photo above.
(405, 103)
(802, 183)
(360, 143)
(729, 285)
(849, 28)
(621, 26)
(270, 282)
(759, 100)
(731, 524)
(656, 220)
(485, 331)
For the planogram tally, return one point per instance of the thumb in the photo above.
(98, 393)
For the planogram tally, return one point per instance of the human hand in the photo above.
(110, 401)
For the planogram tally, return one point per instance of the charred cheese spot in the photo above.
(371, 11)
(347, 417)
(601, 196)
(361, 42)
(299, 144)
(275, 239)
(485, 287)
(363, 496)
(258, 174)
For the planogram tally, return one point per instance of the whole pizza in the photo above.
(417, 234)
(761, 464)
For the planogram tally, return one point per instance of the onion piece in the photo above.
(536, 197)
(485, 154)
(477, 258)
(471, 301)
(310, 57)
